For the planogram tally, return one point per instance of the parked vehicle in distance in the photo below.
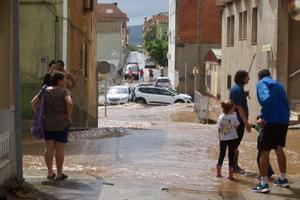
(162, 82)
(119, 95)
(147, 94)
(135, 71)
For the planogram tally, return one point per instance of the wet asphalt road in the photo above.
(159, 153)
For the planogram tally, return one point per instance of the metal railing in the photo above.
(4, 144)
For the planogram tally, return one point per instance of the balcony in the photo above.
(223, 2)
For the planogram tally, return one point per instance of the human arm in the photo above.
(264, 98)
(69, 103)
(72, 79)
(244, 118)
(35, 102)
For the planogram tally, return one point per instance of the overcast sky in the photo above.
(137, 10)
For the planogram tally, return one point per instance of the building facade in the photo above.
(82, 61)
(197, 29)
(52, 30)
(112, 35)
(262, 32)
(10, 145)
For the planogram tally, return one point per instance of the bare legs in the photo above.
(49, 153)
(59, 157)
(59, 149)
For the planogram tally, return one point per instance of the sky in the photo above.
(137, 10)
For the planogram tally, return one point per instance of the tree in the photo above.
(158, 50)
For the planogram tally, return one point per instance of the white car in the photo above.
(163, 82)
(159, 95)
(119, 95)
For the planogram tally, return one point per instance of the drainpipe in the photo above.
(17, 90)
(56, 28)
(65, 33)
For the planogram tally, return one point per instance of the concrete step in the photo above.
(295, 105)
(295, 117)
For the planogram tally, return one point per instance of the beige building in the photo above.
(52, 30)
(262, 30)
(10, 150)
(212, 72)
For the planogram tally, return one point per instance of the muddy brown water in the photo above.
(174, 157)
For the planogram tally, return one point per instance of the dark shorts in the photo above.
(272, 136)
(58, 136)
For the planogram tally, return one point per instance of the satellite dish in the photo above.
(294, 9)
(103, 67)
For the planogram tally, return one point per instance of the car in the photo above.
(146, 94)
(135, 71)
(119, 95)
(162, 82)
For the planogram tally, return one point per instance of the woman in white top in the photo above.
(228, 136)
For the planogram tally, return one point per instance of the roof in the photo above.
(218, 53)
(214, 55)
(109, 12)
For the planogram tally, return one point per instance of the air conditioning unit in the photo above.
(88, 5)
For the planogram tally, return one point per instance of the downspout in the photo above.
(65, 33)
(56, 45)
(17, 90)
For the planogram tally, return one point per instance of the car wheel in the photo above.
(141, 101)
(179, 101)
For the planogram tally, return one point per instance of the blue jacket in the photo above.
(273, 100)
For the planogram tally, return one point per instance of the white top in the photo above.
(227, 124)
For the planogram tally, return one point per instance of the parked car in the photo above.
(135, 71)
(162, 82)
(119, 95)
(146, 94)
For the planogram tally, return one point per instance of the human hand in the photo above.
(248, 127)
(260, 122)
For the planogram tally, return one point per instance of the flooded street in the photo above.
(160, 152)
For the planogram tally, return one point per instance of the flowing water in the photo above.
(158, 152)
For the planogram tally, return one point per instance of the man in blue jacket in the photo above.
(274, 118)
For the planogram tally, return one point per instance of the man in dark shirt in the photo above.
(239, 97)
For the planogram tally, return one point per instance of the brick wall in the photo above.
(187, 21)
(211, 24)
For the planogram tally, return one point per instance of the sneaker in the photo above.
(282, 183)
(261, 188)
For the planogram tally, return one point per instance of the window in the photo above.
(243, 25)
(84, 60)
(230, 31)
(228, 81)
(166, 92)
(88, 5)
(254, 25)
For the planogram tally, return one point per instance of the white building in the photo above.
(172, 73)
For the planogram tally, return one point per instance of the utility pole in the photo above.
(17, 90)
(185, 77)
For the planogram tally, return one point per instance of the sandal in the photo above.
(51, 177)
(63, 177)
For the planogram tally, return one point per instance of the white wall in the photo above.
(172, 43)
(240, 55)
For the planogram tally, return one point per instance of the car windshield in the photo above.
(163, 80)
(117, 91)
(173, 91)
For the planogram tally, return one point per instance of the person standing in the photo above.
(58, 107)
(47, 78)
(150, 74)
(141, 75)
(239, 97)
(274, 118)
(227, 123)
(60, 66)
